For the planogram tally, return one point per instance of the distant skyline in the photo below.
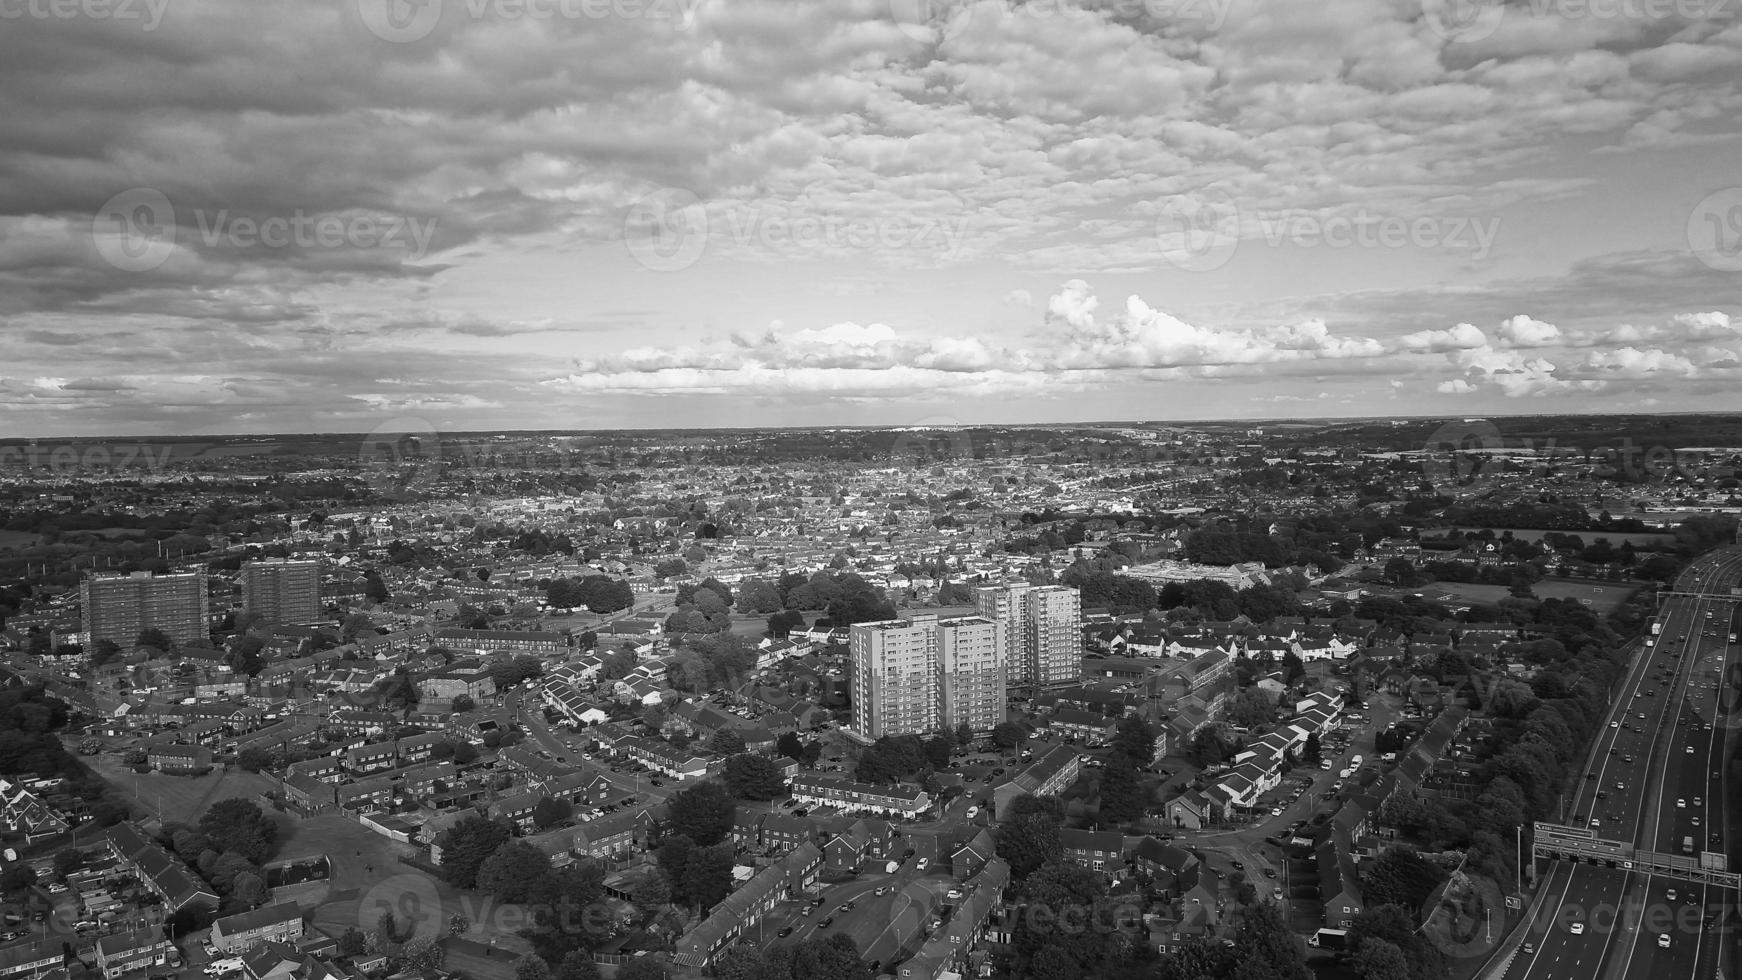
(333, 216)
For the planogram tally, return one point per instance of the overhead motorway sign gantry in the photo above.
(1558, 842)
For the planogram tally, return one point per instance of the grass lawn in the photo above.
(180, 799)
(18, 539)
(1605, 597)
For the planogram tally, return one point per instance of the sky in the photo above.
(395, 215)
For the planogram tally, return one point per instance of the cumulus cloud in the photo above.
(1522, 331)
(1464, 336)
(1456, 386)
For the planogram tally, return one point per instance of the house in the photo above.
(162, 874)
(613, 835)
(140, 949)
(1339, 883)
(1098, 849)
(740, 911)
(178, 758)
(517, 809)
(1092, 727)
(950, 950)
(32, 958)
(972, 855)
(903, 801)
(1049, 774)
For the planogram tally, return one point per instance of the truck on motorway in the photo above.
(1656, 627)
(1688, 846)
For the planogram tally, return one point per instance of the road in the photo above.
(1658, 746)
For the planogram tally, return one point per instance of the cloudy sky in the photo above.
(339, 215)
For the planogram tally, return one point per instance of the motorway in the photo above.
(1654, 778)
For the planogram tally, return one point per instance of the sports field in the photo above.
(1603, 597)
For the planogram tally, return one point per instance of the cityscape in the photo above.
(870, 490)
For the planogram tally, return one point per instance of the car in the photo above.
(828, 920)
(1697, 801)
(1681, 804)
(1276, 893)
(1663, 940)
(1696, 821)
(953, 893)
(1530, 949)
(1276, 811)
(1269, 872)
(1601, 795)
(1613, 724)
(1670, 894)
(1237, 866)
(1577, 928)
(1689, 750)
(1590, 775)
(880, 890)
(784, 932)
(849, 906)
(973, 811)
(1595, 822)
(922, 864)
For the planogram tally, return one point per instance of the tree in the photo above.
(781, 624)
(458, 924)
(17, 878)
(466, 845)
(512, 871)
(1028, 841)
(530, 967)
(703, 813)
(423, 955)
(726, 741)
(1377, 959)
(578, 965)
(1008, 734)
(1121, 792)
(249, 887)
(238, 825)
(1135, 738)
(550, 811)
(673, 858)
(964, 734)
(1313, 752)
(254, 759)
(1252, 708)
(938, 751)
(352, 942)
(652, 894)
(708, 874)
(753, 777)
(154, 639)
(790, 746)
(642, 968)
(1266, 948)
(66, 861)
(462, 703)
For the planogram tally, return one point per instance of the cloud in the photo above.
(1522, 331)
(1464, 336)
(1456, 386)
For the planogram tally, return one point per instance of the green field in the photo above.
(18, 539)
(1605, 597)
(179, 799)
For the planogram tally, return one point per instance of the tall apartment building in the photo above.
(894, 682)
(1041, 627)
(970, 674)
(283, 590)
(119, 607)
(916, 676)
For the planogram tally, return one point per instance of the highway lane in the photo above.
(1613, 908)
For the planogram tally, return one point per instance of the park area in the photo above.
(1603, 597)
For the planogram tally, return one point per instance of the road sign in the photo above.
(1514, 902)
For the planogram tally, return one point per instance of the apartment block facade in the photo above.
(894, 682)
(971, 667)
(283, 590)
(1041, 627)
(119, 607)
